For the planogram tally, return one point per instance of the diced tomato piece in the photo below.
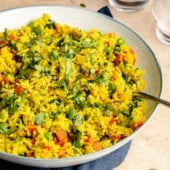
(118, 59)
(30, 154)
(116, 138)
(19, 90)
(62, 153)
(88, 139)
(61, 137)
(12, 37)
(110, 34)
(107, 43)
(134, 60)
(32, 128)
(33, 141)
(98, 71)
(132, 51)
(1, 78)
(3, 42)
(97, 146)
(111, 121)
(56, 26)
(49, 148)
(7, 80)
(139, 124)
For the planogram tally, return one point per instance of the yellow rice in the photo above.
(66, 92)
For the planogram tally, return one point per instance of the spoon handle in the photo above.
(156, 99)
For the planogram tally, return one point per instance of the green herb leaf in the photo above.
(50, 24)
(71, 113)
(37, 30)
(12, 130)
(111, 88)
(88, 44)
(76, 89)
(5, 33)
(79, 120)
(63, 84)
(3, 128)
(68, 67)
(80, 100)
(12, 103)
(107, 109)
(48, 136)
(77, 136)
(39, 118)
(53, 55)
(54, 115)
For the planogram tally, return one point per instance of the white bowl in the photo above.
(85, 19)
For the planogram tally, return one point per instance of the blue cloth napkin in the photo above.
(108, 162)
(106, 11)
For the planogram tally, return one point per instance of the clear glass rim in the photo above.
(128, 5)
(162, 36)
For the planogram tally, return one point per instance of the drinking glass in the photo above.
(128, 5)
(161, 11)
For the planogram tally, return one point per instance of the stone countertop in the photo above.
(151, 148)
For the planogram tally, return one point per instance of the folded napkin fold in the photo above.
(106, 11)
(108, 162)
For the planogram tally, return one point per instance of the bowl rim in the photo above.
(49, 162)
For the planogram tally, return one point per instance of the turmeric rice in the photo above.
(65, 91)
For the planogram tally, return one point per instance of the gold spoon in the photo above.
(156, 99)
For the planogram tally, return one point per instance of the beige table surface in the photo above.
(151, 148)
